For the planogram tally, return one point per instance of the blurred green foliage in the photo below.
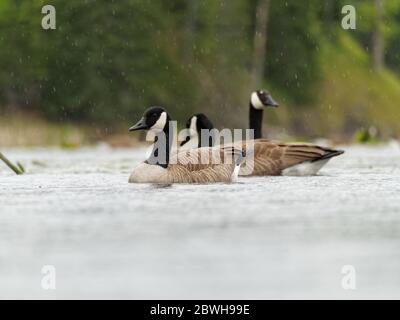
(108, 60)
(363, 135)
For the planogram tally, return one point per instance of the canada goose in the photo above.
(258, 100)
(287, 159)
(188, 166)
(272, 158)
(195, 124)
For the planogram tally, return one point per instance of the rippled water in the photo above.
(273, 237)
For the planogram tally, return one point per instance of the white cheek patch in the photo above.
(193, 135)
(256, 102)
(193, 143)
(161, 122)
(193, 126)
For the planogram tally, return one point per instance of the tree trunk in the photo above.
(260, 42)
(378, 44)
(328, 11)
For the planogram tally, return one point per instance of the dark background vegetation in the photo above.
(109, 60)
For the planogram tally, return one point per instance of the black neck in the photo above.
(161, 148)
(256, 118)
(210, 137)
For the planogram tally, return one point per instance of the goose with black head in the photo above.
(188, 166)
(194, 125)
(259, 100)
(274, 158)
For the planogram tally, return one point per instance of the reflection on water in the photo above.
(273, 237)
(161, 186)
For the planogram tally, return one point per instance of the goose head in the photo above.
(199, 121)
(195, 124)
(156, 121)
(262, 98)
(154, 118)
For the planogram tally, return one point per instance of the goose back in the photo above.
(272, 158)
(202, 165)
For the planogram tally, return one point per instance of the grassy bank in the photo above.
(28, 130)
(350, 98)
(354, 96)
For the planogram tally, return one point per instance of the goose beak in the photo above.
(139, 126)
(269, 101)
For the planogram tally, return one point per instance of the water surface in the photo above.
(272, 237)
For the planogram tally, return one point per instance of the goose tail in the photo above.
(329, 153)
(310, 159)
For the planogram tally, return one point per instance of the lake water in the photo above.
(272, 237)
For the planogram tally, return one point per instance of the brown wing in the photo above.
(295, 153)
(270, 158)
(264, 158)
(202, 165)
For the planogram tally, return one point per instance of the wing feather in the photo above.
(271, 158)
(201, 165)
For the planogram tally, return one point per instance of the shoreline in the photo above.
(27, 131)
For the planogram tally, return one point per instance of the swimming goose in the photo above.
(195, 124)
(202, 165)
(287, 159)
(272, 158)
(258, 100)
